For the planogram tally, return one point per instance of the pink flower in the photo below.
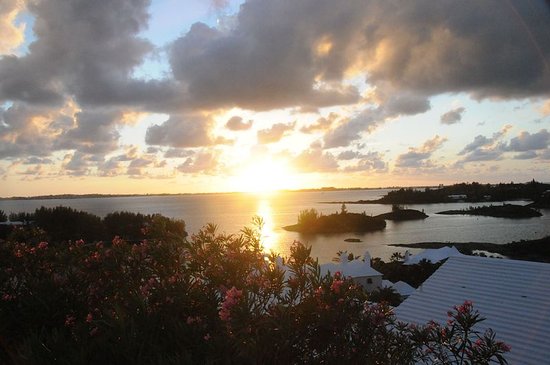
(232, 297)
(207, 337)
(43, 245)
(336, 284)
(89, 318)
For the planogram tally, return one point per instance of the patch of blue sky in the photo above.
(27, 19)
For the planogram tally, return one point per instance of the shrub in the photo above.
(308, 217)
(215, 298)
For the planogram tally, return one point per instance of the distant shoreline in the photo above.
(94, 196)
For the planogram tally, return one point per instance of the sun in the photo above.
(262, 176)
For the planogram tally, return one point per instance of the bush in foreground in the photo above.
(214, 298)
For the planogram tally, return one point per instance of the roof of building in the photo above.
(513, 296)
(433, 255)
(354, 268)
(400, 287)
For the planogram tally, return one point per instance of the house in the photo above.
(513, 296)
(431, 255)
(401, 288)
(359, 270)
(458, 197)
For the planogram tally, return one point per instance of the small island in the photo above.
(352, 240)
(400, 214)
(498, 211)
(310, 221)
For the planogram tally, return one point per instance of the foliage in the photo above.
(309, 221)
(61, 224)
(412, 274)
(386, 295)
(3, 216)
(474, 192)
(64, 223)
(214, 298)
(135, 226)
(308, 217)
(21, 217)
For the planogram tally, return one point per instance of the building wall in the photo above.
(375, 282)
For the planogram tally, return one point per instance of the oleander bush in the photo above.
(207, 299)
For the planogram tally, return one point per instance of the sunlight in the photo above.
(263, 176)
(268, 235)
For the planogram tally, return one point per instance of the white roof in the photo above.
(433, 255)
(355, 269)
(513, 296)
(400, 287)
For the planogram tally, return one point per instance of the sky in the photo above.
(189, 96)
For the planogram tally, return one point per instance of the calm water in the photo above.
(231, 212)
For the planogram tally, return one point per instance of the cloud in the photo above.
(275, 133)
(236, 124)
(528, 155)
(418, 157)
(322, 124)
(392, 105)
(183, 131)
(545, 109)
(315, 160)
(12, 34)
(94, 132)
(452, 116)
(77, 164)
(485, 149)
(177, 153)
(86, 52)
(203, 162)
(484, 142)
(530, 142)
(371, 161)
(297, 53)
(348, 155)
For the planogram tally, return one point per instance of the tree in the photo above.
(3, 216)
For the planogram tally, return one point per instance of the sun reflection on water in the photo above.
(270, 238)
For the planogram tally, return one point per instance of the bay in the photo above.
(233, 211)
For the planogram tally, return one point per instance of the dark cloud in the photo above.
(480, 141)
(528, 155)
(236, 123)
(530, 142)
(452, 116)
(182, 131)
(77, 164)
(94, 132)
(284, 53)
(27, 131)
(275, 133)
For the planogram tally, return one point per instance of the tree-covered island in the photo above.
(498, 211)
(399, 213)
(311, 221)
(466, 192)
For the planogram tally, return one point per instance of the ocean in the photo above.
(233, 211)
